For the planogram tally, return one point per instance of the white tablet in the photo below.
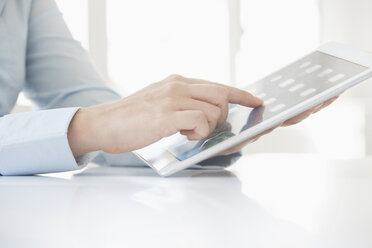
(309, 81)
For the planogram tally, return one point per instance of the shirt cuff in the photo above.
(36, 142)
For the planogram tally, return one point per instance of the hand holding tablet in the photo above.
(179, 122)
(292, 121)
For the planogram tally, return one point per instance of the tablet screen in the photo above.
(284, 89)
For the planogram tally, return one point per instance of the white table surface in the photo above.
(263, 201)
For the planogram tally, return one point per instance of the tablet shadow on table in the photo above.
(145, 171)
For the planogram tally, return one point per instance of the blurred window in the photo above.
(147, 40)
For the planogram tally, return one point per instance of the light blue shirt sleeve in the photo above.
(36, 142)
(39, 57)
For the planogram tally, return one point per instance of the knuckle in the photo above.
(173, 87)
(201, 121)
(199, 117)
(156, 84)
(175, 77)
(224, 93)
(222, 96)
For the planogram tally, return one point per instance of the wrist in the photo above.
(82, 132)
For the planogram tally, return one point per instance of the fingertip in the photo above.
(259, 101)
(254, 101)
(250, 100)
(193, 136)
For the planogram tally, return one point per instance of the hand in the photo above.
(289, 122)
(307, 113)
(192, 107)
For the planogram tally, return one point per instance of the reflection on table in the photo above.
(262, 201)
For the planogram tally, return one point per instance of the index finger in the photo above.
(236, 96)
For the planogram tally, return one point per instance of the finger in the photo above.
(235, 95)
(192, 120)
(211, 111)
(325, 104)
(213, 94)
(243, 97)
(298, 118)
(317, 108)
(254, 138)
(187, 133)
(307, 113)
